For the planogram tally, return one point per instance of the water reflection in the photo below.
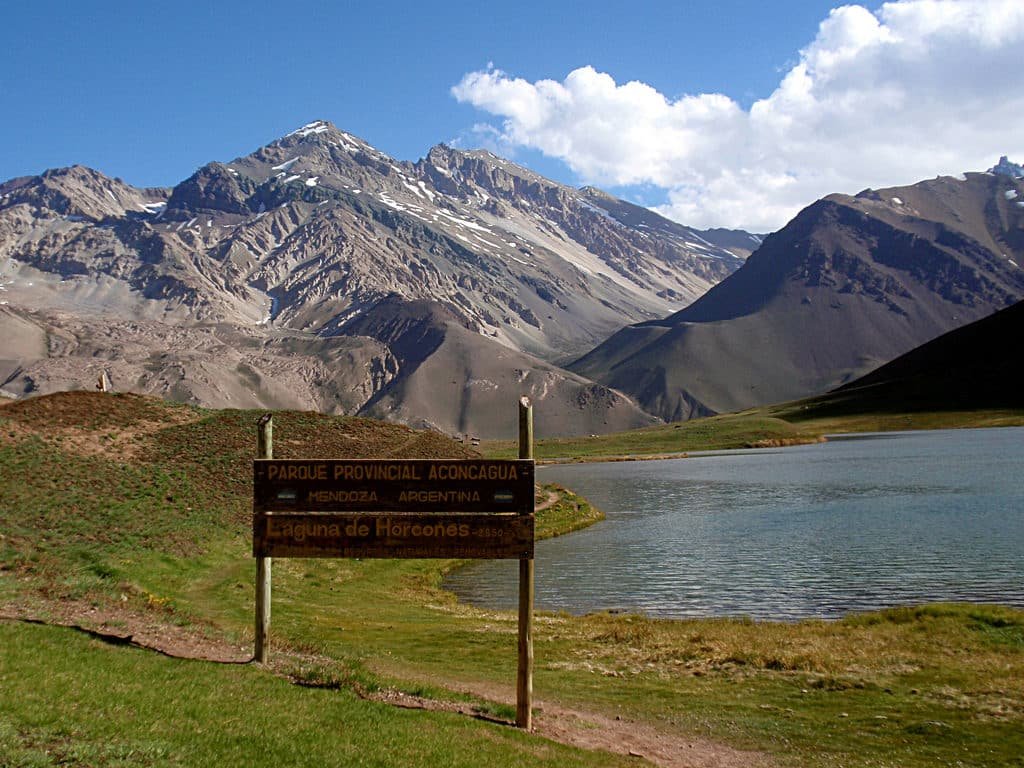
(810, 531)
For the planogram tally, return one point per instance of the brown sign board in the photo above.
(487, 536)
(421, 486)
(461, 508)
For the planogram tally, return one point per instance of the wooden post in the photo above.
(524, 675)
(265, 450)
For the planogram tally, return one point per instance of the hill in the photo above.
(126, 604)
(849, 284)
(966, 369)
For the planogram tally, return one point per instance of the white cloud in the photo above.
(918, 88)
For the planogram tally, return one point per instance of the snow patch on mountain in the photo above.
(310, 129)
(286, 165)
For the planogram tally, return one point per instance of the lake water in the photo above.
(857, 523)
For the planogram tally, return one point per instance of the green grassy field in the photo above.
(90, 703)
(788, 424)
(138, 514)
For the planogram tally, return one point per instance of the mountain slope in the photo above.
(317, 226)
(967, 368)
(456, 381)
(262, 261)
(849, 284)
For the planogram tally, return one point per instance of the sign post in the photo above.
(366, 508)
(265, 446)
(524, 673)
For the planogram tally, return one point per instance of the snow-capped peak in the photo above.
(310, 129)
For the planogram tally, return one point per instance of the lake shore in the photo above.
(815, 531)
(131, 519)
(772, 427)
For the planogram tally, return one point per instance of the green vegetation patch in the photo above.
(154, 515)
(71, 700)
(72, 521)
(565, 512)
(743, 430)
(769, 427)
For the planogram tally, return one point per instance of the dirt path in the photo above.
(585, 730)
(552, 498)
(588, 730)
(135, 628)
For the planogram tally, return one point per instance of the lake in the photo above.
(858, 523)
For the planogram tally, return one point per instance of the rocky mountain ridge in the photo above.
(1007, 168)
(297, 246)
(851, 283)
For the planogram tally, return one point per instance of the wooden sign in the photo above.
(468, 508)
(461, 508)
(467, 485)
(288, 534)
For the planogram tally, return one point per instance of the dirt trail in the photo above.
(589, 730)
(139, 629)
(585, 730)
(552, 498)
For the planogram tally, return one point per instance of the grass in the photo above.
(569, 512)
(159, 525)
(872, 686)
(717, 432)
(788, 424)
(93, 704)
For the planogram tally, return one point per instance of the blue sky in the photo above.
(148, 92)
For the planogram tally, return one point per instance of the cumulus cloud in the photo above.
(918, 88)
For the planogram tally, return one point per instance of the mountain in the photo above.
(849, 284)
(317, 272)
(968, 368)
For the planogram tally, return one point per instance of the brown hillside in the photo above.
(128, 425)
